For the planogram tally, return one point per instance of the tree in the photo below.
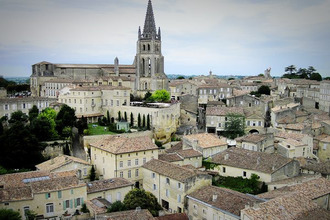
(125, 116)
(316, 76)
(264, 90)
(18, 116)
(161, 96)
(108, 117)
(144, 121)
(81, 124)
(147, 95)
(92, 174)
(119, 116)
(141, 198)
(42, 128)
(148, 122)
(65, 118)
(66, 149)
(327, 78)
(33, 112)
(132, 120)
(30, 215)
(234, 126)
(8, 214)
(291, 69)
(180, 77)
(117, 207)
(139, 120)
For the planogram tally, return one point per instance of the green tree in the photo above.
(65, 118)
(180, 77)
(119, 116)
(42, 128)
(264, 90)
(291, 69)
(108, 117)
(18, 116)
(50, 114)
(125, 116)
(161, 95)
(33, 112)
(303, 73)
(234, 126)
(67, 131)
(30, 215)
(117, 207)
(139, 120)
(66, 149)
(92, 174)
(327, 78)
(81, 124)
(8, 214)
(132, 120)
(144, 121)
(147, 95)
(316, 76)
(141, 198)
(148, 122)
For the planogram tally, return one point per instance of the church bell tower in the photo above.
(149, 60)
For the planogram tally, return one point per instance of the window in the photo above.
(259, 123)
(129, 163)
(85, 171)
(67, 204)
(136, 161)
(121, 163)
(49, 208)
(154, 186)
(129, 174)
(26, 208)
(168, 181)
(223, 169)
(71, 191)
(118, 196)
(153, 175)
(78, 202)
(167, 192)
(121, 174)
(204, 212)
(244, 173)
(103, 159)
(144, 160)
(48, 195)
(137, 172)
(59, 194)
(179, 198)
(179, 185)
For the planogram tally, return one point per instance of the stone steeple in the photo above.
(149, 29)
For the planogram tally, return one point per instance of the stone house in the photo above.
(112, 190)
(211, 202)
(170, 183)
(324, 149)
(213, 92)
(49, 194)
(66, 163)
(205, 143)
(119, 156)
(183, 157)
(304, 138)
(285, 111)
(325, 95)
(180, 87)
(188, 110)
(255, 122)
(256, 142)
(10, 105)
(291, 148)
(269, 167)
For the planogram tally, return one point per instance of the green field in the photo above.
(98, 130)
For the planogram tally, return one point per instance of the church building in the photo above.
(145, 74)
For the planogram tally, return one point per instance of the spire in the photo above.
(149, 23)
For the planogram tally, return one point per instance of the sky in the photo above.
(228, 37)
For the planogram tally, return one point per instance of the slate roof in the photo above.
(101, 185)
(206, 140)
(227, 199)
(119, 144)
(58, 162)
(251, 160)
(171, 170)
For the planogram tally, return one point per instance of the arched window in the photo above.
(149, 66)
(144, 47)
(145, 85)
(143, 66)
(149, 47)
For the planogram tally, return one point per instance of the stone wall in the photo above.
(54, 148)
(289, 170)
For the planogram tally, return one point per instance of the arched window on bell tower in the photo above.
(148, 47)
(143, 66)
(149, 66)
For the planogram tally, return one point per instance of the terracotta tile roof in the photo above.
(284, 107)
(214, 84)
(59, 161)
(295, 180)
(170, 170)
(251, 160)
(310, 189)
(206, 140)
(143, 214)
(189, 153)
(98, 205)
(170, 157)
(296, 126)
(286, 135)
(238, 92)
(119, 144)
(253, 138)
(288, 207)
(16, 194)
(101, 185)
(175, 216)
(226, 199)
(56, 184)
(294, 143)
(175, 148)
(223, 111)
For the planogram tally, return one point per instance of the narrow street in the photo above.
(77, 148)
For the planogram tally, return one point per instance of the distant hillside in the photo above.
(174, 76)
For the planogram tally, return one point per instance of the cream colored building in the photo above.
(324, 149)
(93, 101)
(170, 183)
(325, 96)
(205, 143)
(183, 87)
(213, 92)
(256, 142)
(10, 105)
(112, 190)
(164, 117)
(239, 162)
(50, 195)
(183, 157)
(51, 88)
(117, 156)
(291, 148)
(211, 202)
(66, 163)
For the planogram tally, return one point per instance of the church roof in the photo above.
(149, 23)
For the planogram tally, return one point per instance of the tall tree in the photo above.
(316, 76)
(132, 120)
(144, 121)
(125, 116)
(42, 128)
(18, 116)
(291, 69)
(65, 118)
(9, 214)
(148, 122)
(234, 126)
(141, 198)
(139, 120)
(119, 116)
(92, 174)
(108, 117)
(264, 90)
(33, 112)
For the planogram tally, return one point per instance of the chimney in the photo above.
(226, 156)
(214, 197)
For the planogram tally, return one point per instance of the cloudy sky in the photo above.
(229, 37)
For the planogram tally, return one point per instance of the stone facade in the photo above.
(325, 96)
